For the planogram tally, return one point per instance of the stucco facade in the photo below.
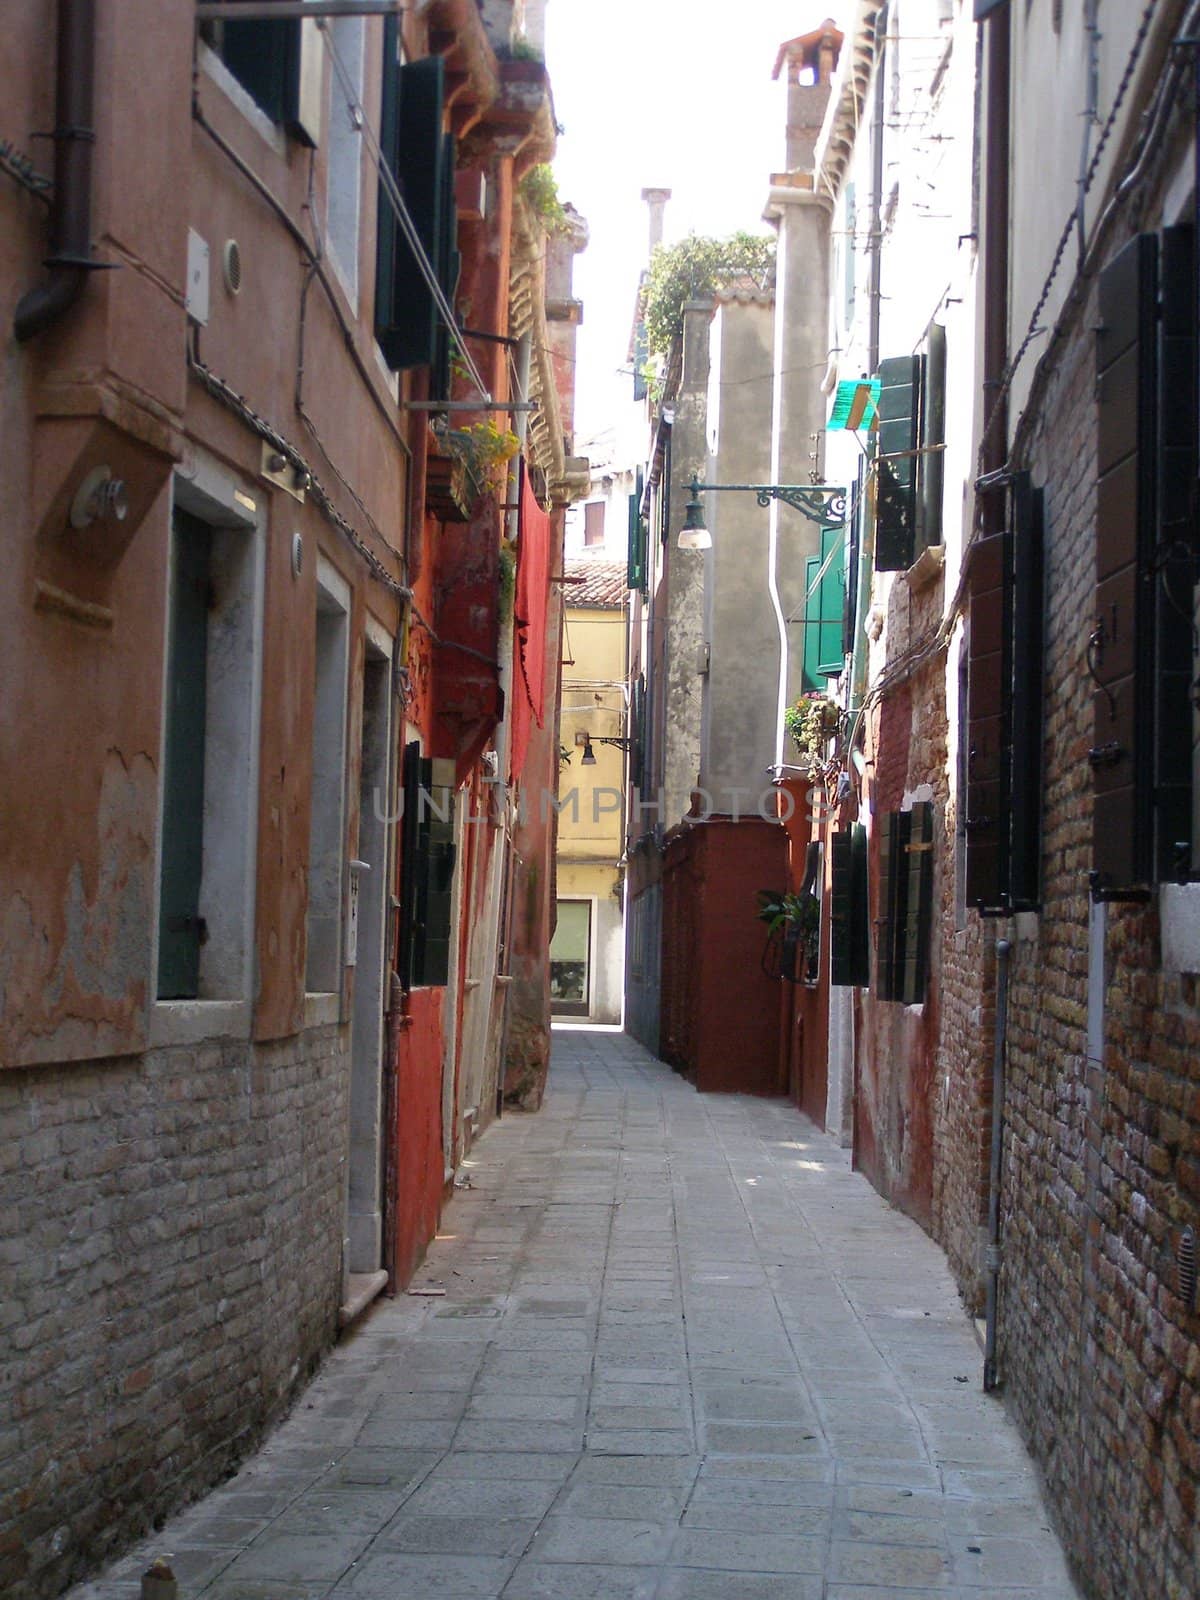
(235, 1078)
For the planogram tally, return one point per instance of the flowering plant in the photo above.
(811, 721)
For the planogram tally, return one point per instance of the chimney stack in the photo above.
(656, 199)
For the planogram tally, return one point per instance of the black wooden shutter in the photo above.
(889, 955)
(448, 262)
(180, 928)
(848, 909)
(988, 8)
(1026, 622)
(637, 750)
(899, 435)
(412, 142)
(987, 733)
(1119, 646)
(1174, 564)
(427, 871)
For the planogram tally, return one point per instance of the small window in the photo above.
(280, 66)
(570, 958)
(593, 522)
(905, 910)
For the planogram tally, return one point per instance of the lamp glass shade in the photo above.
(694, 535)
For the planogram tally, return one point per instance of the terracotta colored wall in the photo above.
(417, 1133)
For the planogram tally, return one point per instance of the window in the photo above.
(427, 870)
(593, 522)
(906, 904)
(323, 963)
(1003, 761)
(912, 429)
(1140, 648)
(209, 762)
(570, 958)
(421, 157)
(280, 66)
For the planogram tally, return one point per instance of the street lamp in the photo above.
(588, 758)
(822, 503)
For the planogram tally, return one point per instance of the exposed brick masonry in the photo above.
(169, 1233)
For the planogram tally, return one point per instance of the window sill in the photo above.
(322, 1010)
(191, 1021)
(1179, 913)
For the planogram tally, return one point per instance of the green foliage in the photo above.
(485, 451)
(539, 190)
(810, 722)
(696, 266)
(780, 911)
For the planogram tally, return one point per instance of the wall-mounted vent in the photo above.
(1185, 1268)
(231, 265)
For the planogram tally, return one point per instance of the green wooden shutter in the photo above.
(1123, 703)
(915, 918)
(270, 61)
(889, 911)
(180, 927)
(412, 142)
(931, 463)
(898, 438)
(637, 752)
(824, 610)
(848, 909)
(635, 575)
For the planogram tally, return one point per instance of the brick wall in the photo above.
(1101, 1361)
(170, 1247)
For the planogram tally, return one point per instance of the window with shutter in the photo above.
(636, 560)
(849, 914)
(898, 437)
(279, 64)
(593, 522)
(905, 904)
(637, 717)
(1003, 761)
(416, 151)
(931, 461)
(427, 870)
(1140, 649)
(824, 610)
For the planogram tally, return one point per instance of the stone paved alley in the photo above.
(683, 1352)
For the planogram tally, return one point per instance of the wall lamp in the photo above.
(819, 502)
(588, 758)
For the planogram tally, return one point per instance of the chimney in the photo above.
(811, 61)
(656, 199)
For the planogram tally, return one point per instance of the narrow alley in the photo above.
(665, 1345)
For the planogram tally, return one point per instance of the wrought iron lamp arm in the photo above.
(821, 503)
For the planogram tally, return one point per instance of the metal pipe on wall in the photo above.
(1003, 953)
(70, 259)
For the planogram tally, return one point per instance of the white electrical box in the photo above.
(197, 278)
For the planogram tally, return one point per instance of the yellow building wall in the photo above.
(591, 824)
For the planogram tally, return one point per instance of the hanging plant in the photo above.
(484, 450)
(811, 722)
(793, 948)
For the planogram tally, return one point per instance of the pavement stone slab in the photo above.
(683, 1352)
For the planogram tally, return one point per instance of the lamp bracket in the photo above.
(823, 503)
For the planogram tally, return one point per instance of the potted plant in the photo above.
(793, 949)
(811, 722)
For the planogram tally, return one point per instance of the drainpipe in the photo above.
(70, 259)
(995, 263)
(876, 239)
(1003, 951)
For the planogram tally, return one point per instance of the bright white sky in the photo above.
(674, 94)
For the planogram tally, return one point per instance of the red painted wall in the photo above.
(721, 1013)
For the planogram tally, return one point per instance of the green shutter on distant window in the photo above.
(898, 438)
(824, 610)
(180, 926)
(636, 561)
